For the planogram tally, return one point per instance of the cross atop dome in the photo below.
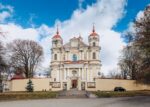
(93, 27)
(57, 30)
(57, 36)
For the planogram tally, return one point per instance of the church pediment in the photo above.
(75, 43)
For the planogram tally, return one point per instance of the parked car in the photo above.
(120, 89)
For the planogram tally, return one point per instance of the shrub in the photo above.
(29, 87)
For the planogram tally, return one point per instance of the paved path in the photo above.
(101, 102)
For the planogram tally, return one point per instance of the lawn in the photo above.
(121, 94)
(27, 95)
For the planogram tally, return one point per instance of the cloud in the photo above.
(13, 31)
(104, 13)
(5, 12)
(80, 3)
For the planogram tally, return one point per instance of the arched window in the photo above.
(94, 55)
(94, 44)
(74, 58)
(55, 57)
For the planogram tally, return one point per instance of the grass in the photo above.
(27, 95)
(121, 94)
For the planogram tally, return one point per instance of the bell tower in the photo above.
(57, 41)
(94, 45)
(57, 44)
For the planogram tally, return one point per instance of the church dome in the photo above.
(93, 34)
(57, 36)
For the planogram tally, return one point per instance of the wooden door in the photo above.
(74, 83)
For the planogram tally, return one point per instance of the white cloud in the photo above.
(6, 12)
(104, 13)
(80, 3)
(13, 31)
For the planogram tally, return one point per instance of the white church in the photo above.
(75, 64)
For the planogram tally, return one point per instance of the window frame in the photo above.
(94, 55)
(55, 57)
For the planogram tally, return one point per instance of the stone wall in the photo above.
(100, 84)
(39, 84)
(110, 84)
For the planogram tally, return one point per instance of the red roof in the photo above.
(57, 36)
(93, 34)
(17, 77)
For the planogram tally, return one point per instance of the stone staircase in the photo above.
(73, 93)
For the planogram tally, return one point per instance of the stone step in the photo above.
(72, 94)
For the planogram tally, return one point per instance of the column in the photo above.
(87, 74)
(79, 72)
(81, 55)
(87, 58)
(67, 56)
(82, 73)
(65, 74)
(60, 74)
(68, 72)
(57, 78)
(91, 75)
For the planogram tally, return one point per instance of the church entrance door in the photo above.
(74, 83)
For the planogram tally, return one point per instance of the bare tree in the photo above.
(2, 62)
(142, 42)
(26, 55)
(135, 59)
(128, 62)
(114, 74)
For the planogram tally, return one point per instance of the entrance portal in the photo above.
(74, 83)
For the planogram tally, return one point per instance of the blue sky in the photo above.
(43, 11)
(47, 11)
(34, 19)
(132, 8)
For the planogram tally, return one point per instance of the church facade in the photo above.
(75, 64)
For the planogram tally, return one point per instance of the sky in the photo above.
(37, 20)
